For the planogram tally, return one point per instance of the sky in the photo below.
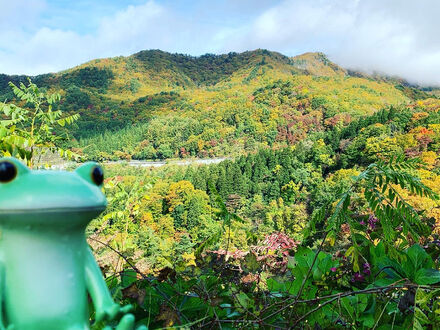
(394, 37)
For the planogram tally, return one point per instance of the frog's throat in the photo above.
(53, 210)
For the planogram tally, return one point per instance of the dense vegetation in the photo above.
(326, 215)
(229, 245)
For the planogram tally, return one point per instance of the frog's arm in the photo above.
(2, 289)
(105, 307)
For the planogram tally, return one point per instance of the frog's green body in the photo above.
(46, 266)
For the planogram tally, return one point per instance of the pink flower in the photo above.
(372, 221)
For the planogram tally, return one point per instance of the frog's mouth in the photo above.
(51, 210)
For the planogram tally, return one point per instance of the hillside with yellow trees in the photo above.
(224, 104)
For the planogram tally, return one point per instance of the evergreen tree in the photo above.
(247, 170)
(194, 211)
(189, 175)
(273, 191)
(199, 178)
(259, 168)
(222, 184)
(239, 183)
(178, 215)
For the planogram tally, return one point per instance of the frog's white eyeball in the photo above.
(8, 171)
(98, 175)
(91, 172)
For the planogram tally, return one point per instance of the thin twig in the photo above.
(353, 293)
(122, 256)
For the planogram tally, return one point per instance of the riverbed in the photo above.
(150, 163)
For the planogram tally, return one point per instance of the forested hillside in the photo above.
(159, 105)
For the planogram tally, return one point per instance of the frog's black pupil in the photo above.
(98, 175)
(8, 171)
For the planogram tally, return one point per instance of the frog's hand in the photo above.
(105, 307)
(9, 327)
(127, 323)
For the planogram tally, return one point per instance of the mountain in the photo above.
(167, 105)
(317, 64)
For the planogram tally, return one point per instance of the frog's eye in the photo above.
(97, 175)
(91, 172)
(8, 171)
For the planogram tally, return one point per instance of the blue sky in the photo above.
(397, 37)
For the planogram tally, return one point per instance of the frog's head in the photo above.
(50, 197)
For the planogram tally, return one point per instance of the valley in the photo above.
(248, 189)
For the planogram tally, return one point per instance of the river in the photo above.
(151, 163)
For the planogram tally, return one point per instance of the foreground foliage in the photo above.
(365, 276)
(340, 229)
(28, 131)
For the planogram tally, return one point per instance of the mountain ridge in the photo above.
(308, 59)
(186, 105)
(154, 66)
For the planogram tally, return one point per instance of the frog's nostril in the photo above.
(8, 171)
(97, 175)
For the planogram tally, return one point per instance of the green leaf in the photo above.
(391, 195)
(250, 263)
(420, 319)
(346, 202)
(427, 276)
(274, 286)
(392, 268)
(419, 257)
(383, 282)
(128, 277)
(244, 300)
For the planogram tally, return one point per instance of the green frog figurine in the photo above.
(46, 265)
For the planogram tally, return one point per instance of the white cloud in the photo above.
(397, 37)
(47, 50)
(133, 28)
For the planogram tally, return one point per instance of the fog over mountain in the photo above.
(393, 37)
